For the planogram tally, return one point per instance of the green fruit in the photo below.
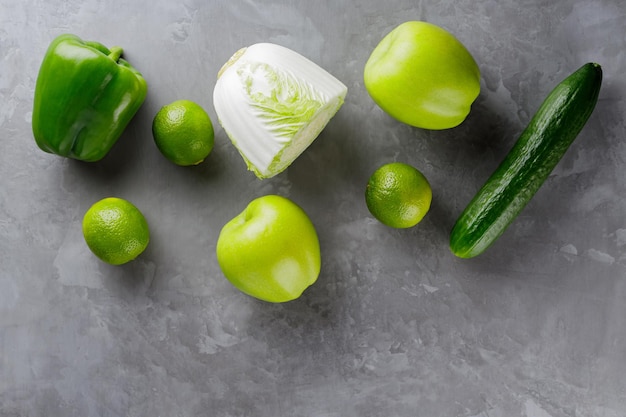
(398, 195)
(423, 76)
(115, 230)
(183, 132)
(270, 251)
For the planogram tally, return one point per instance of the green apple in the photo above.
(421, 75)
(270, 250)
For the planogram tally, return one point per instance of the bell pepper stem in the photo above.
(116, 53)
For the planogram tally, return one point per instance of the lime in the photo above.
(115, 230)
(398, 195)
(183, 132)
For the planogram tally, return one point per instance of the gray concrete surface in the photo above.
(395, 326)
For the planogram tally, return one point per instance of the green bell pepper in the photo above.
(85, 96)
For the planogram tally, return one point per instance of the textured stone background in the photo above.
(395, 325)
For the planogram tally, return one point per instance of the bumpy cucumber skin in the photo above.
(538, 150)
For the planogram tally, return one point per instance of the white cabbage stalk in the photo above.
(272, 103)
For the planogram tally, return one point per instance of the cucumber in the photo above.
(540, 147)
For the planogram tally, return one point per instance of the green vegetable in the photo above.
(85, 97)
(273, 103)
(533, 157)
